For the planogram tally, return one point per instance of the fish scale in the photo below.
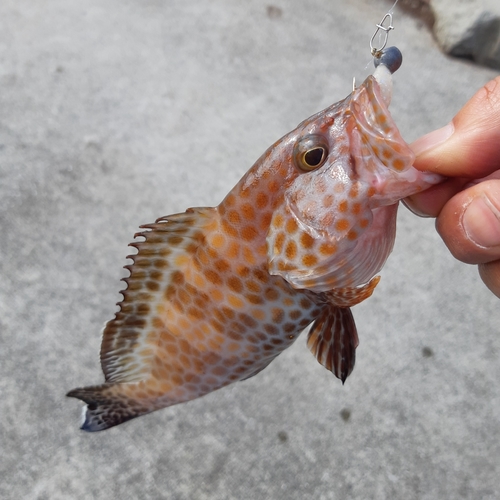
(215, 294)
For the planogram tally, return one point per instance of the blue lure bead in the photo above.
(390, 57)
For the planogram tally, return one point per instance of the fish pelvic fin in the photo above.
(333, 339)
(350, 296)
(107, 406)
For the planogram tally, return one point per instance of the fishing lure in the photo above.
(215, 294)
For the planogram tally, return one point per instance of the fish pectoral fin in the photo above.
(107, 406)
(333, 339)
(350, 296)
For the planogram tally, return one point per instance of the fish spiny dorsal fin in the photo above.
(333, 339)
(126, 355)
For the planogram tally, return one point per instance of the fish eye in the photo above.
(310, 152)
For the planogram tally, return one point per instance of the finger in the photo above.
(470, 223)
(494, 175)
(430, 202)
(490, 274)
(470, 145)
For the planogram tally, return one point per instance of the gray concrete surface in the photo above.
(469, 29)
(114, 113)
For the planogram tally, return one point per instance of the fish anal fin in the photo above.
(350, 296)
(333, 339)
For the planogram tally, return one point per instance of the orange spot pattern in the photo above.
(297, 250)
(206, 302)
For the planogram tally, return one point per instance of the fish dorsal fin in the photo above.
(126, 355)
(333, 339)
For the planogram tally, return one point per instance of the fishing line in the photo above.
(392, 8)
(384, 27)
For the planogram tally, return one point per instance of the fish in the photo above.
(215, 294)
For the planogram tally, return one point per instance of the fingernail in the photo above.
(432, 139)
(481, 222)
(408, 203)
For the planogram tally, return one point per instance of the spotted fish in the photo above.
(215, 294)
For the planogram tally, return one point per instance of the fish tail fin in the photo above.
(107, 406)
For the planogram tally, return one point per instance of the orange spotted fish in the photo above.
(215, 294)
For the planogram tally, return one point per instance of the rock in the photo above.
(469, 28)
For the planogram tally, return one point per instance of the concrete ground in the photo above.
(115, 113)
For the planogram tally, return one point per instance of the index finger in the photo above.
(470, 145)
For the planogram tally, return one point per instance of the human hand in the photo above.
(467, 204)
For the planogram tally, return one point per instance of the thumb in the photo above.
(469, 146)
(470, 223)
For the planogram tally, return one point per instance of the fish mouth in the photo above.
(378, 150)
(380, 156)
(378, 132)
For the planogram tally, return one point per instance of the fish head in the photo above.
(335, 225)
